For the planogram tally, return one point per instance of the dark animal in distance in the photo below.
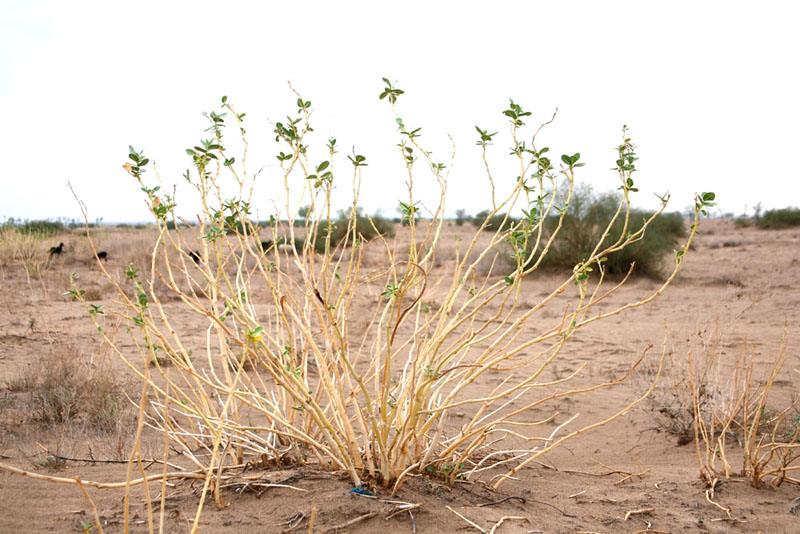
(266, 245)
(57, 250)
(195, 255)
(103, 255)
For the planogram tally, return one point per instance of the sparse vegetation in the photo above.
(304, 375)
(733, 417)
(494, 221)
(588, 216)
(781, 218)
(344, 231)
(63, 388)
(723, 406)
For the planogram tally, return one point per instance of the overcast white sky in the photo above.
(709, 90)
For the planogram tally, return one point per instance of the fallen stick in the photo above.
(400, 509)
(467, 520)
(102, 460)
(101, 485)
(91, 503)
(709, 497)
(638, 512)
(352, 522)
(311, 521)
(517, 518)
(520, 498)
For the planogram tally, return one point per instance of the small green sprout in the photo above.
(255, 334)
(391, 291)
(391, 91)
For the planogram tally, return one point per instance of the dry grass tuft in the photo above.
(63, 388)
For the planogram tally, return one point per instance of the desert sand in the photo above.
(630, 476)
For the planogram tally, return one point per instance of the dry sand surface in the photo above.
(744, 280)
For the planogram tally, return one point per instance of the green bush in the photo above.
(41, 227)
(743, 222)
(364, 229)
(495, 221)
(586, 219)
(782, 218)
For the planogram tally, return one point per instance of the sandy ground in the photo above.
(745, 280)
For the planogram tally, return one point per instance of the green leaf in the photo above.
(322, 166)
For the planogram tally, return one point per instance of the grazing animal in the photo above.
(103, 255)
(57, 250)
(195, 255)
(266, 245)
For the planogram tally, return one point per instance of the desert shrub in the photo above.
(722, 404)
(370, 393)
(16, 247)
(589, 215)
(734, 418)
(742, 222)
(777, 219)
(461, 216)
(341, 229)
(43, 228)
(494, 221)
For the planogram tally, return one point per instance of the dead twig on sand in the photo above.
(509, 518)
(254, 486)
(638, 512)
(521, 498)
(562, 512)
(311, 521)
(293, 522)
(196, 475)
(404, 507)
(351, 522)
(611, 471)
(472, 524)
(91, 503)
(148, 461)
(710, 498)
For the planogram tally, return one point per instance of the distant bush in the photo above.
(364, 229)
(586, 219)
(494, 222)
(41, 227)
(782, 218)
(461, 216)
(743, 222)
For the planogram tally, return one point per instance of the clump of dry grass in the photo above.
(723, 405)
(736, 418)
(62, 387)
